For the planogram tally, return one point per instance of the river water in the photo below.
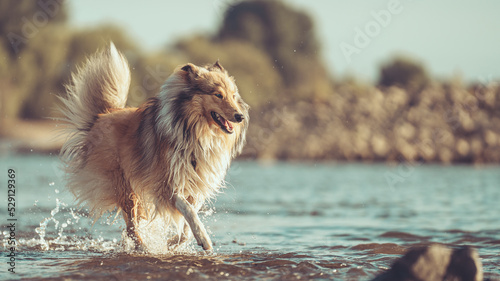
(281, 221)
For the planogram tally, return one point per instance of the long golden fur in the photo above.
(166, 157)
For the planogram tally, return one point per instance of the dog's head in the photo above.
(215, 94)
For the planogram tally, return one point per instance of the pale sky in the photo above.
(451, 37)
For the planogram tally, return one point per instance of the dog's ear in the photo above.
(191, 69)
(218, 65)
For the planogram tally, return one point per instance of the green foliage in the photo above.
(149, 72)
(29, 63)
(54, 63)
(21, 20)
(85, 42)
(404, 72)
(43, 66)
(5, 78)
(271, 26)
(288, 37)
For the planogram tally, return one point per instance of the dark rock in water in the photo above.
(436, 263)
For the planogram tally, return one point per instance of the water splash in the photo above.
(69, 229)
(62, 218)
(155, 235)
(44, 244)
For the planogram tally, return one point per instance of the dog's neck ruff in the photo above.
(198, 156)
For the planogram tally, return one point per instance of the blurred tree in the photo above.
(287, 36)
(85, 42)
(21, 20)
(54, 63)
(149, 72)
(5, 79)
(405, 73)
(28, 61)
(41, 67)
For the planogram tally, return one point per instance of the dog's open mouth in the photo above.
(225, 125)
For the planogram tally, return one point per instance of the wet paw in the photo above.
(206, 244)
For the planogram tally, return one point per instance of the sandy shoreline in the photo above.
(21, 136)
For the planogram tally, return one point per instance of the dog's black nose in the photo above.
(239, 117)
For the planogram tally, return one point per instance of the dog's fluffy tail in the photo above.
(100, 85)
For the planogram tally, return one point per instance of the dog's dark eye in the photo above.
(219, 96)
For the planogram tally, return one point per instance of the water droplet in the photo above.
(56, 191)
(294, 51)
(51, 183)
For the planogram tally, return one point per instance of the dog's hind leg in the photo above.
(191, 216)
(132, 211)
(179, 239)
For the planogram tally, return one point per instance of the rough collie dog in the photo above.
(164, 158)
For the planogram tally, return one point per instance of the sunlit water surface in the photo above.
(283, 221)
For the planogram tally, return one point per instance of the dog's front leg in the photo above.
(191, 216)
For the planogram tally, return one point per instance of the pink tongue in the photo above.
(228, 125)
